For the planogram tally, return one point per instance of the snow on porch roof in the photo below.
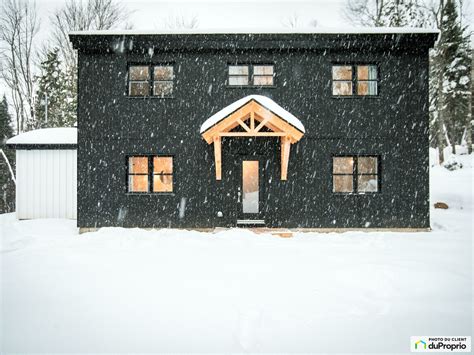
(46, 136)
(262, 100)
(276, 30)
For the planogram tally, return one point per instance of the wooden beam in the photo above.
(285, 156)
(244, 126)
(281, 124)
(263, 123)
(228, 123)
(253, 110)
(251, 134)
(218, 157)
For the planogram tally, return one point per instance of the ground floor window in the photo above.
(355, 174)
(150, 173)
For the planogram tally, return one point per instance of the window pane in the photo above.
(263, 69)
(162, 183)
(367, 72)
(342, 183)
(238, 80)
(343, 88)
(250, 186)
(367, 165)
(138, 165)
(163, 73)
(263, 80)
(372, 72)
(162, 88)
(342, 72)
(238, 70)
(138, 183)
(343, 165)
(138, 73)
(367, 88)
(367, 183)
(139, 89)
(362, 72)
(363, 88)
(372, 88)
(163, 165)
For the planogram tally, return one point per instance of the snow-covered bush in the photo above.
(460, 150)
(452, 163)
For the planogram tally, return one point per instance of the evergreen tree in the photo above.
(55, 94)
(403, 13)
(450, 81)
(7, 186)
(450, 62)
(6, 129)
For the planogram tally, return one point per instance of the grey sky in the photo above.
(246, 13)
(152, 14)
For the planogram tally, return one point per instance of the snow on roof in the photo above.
(264, 101)
(63, 135)
(302, 30)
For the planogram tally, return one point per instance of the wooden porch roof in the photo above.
(249, 117)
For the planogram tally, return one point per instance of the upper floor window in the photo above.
(150, 80)
(359, 174)
(163, 80)
(139, 81)
(354, 80)
(251, 75)
(150, 174)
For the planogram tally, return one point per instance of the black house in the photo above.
(296, 130)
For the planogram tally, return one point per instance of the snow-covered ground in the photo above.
(120, 290)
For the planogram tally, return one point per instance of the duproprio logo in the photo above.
(437, 344)
(420, 343)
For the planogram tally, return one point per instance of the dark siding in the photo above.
(393, 125)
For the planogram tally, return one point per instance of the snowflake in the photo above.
(464, 80)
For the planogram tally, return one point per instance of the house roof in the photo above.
(347, 38)
(276, 30)
(262, 100)
(45, 137)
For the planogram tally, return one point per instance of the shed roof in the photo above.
(63, 136)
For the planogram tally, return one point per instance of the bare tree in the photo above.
(291, 21)
(174, 22)
(415, 13)
(18, 28)
(77, 15)
(365, 12)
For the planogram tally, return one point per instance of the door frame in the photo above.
(241, 216)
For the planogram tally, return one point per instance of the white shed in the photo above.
(46, 173)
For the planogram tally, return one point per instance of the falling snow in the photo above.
(132, 290)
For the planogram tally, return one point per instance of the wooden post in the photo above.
(252, 120)
(218, 157)
(285, 156)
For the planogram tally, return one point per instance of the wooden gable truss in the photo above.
(250, 120)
